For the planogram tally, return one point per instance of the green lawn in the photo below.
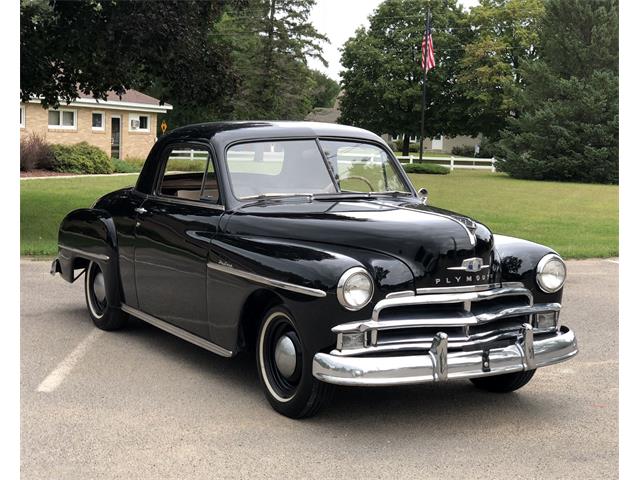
(579, 221)
(44, 203)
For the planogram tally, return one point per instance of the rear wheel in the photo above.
(284, 367)
(506, 383)
(104, 316)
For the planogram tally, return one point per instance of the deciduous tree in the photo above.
(382, 80)
(505, 35)
(160, 47)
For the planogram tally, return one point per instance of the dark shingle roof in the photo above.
(130, 96)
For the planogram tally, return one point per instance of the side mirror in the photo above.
(424, 195)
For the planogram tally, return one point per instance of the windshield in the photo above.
(297, 167)
(361, 167)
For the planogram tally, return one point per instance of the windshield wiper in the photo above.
(275, 196)
(390, 193)
(346, 195)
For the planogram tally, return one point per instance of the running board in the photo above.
(178, 332)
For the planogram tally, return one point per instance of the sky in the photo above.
(338, 20)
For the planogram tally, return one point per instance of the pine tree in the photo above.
(382, 81)
(272, 41)
(568, 130)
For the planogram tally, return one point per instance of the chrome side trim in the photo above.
(267, 281)
(94, 256)
(178, 332)
(410, 369)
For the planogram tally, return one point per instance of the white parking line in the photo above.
(57, 376)
(613, 261)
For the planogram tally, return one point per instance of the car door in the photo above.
(174, 228)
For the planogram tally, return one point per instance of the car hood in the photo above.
(432, 242)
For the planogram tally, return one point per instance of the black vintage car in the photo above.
(308, 243)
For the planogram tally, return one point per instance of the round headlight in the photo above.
(355, 288)
(551, 273)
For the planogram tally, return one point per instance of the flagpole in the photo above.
(424, 79)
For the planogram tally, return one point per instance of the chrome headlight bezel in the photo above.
(343, 282)
(540, 271)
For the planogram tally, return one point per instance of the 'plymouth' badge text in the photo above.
(461, 279)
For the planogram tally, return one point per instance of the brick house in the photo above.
(124, 127)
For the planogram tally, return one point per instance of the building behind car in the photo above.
(123, 126)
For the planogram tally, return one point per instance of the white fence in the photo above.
(450, 162)
(189, 155)
(454, 162)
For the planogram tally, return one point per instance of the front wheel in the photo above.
(284, 368)
(104, 316)
(506, 383)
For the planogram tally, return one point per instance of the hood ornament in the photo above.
(468, 223)
(471, 265)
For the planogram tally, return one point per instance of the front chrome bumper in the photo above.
(438, 364)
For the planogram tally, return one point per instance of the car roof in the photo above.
(224, 133)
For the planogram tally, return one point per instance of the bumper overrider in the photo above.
(410, 358)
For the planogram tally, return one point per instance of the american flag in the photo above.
(428, 60)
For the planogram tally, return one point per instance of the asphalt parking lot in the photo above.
(142, 404)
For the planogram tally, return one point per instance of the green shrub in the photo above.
(464, 151)
(137, 161)
(425, 168)
(80, 158)
(180, 165)
(487, 149)
(413, 147)
(124, 166)
(35, 153)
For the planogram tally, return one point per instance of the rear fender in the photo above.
(89, 235)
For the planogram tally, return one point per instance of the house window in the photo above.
(138, 123)
(22, 116)
(97, 121)
(64, 119)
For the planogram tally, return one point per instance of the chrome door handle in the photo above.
(140, 210)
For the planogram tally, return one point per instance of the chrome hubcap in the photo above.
(98, 287)
(285, 356)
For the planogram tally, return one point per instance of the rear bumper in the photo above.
(438, 364)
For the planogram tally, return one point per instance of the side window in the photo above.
(189, 174)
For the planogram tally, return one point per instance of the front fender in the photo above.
(308, 264)
(519, 260)
(89, 235)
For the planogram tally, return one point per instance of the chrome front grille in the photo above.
(471, 320)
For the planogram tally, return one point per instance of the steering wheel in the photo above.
(357, 177)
